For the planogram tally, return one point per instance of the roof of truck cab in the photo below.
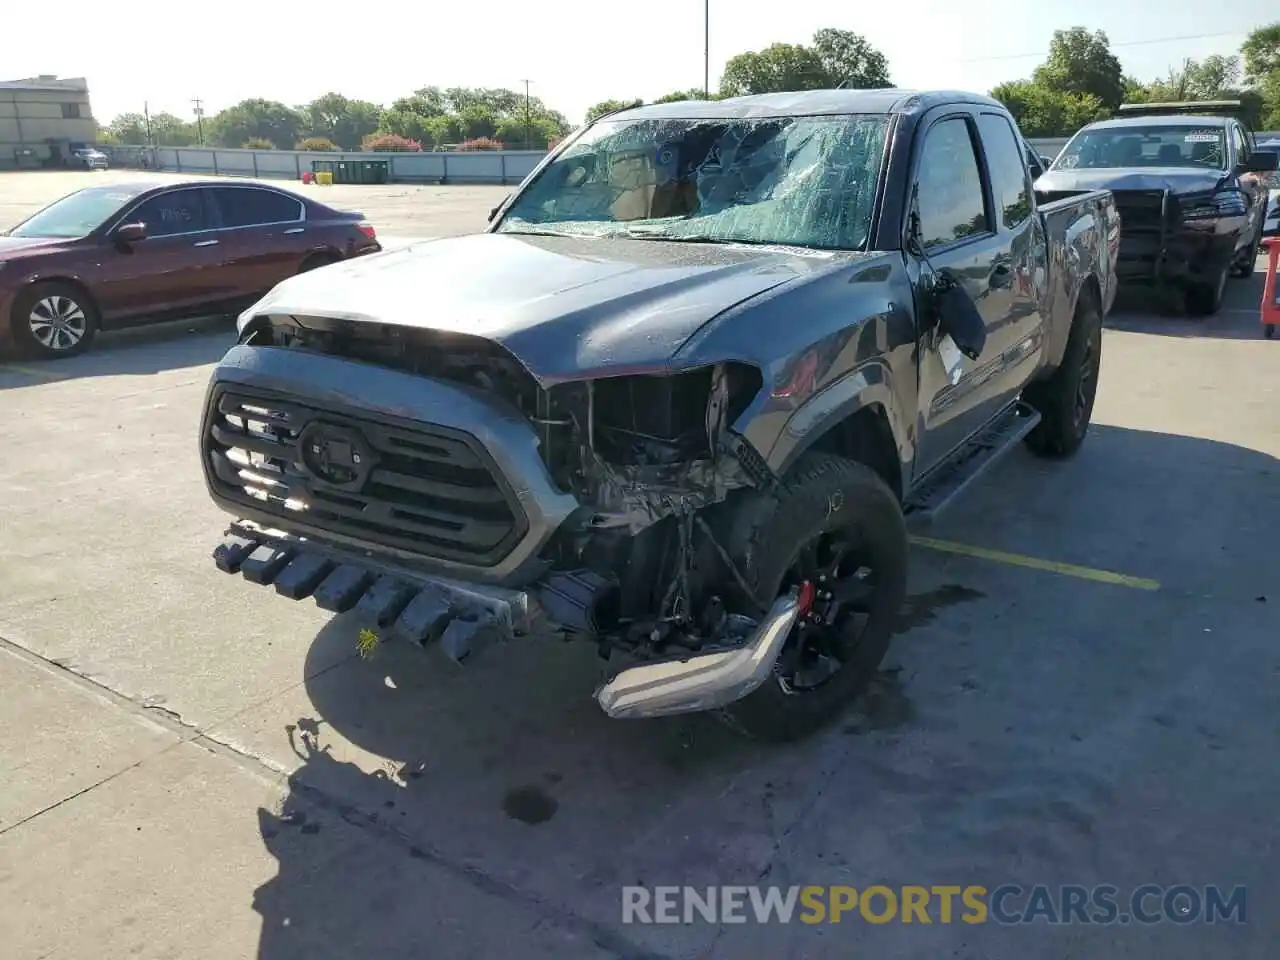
(1157, 120)
(807, 103)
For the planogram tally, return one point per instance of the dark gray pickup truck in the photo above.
(680, 399)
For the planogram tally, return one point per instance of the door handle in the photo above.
(205, 243)
(295, 230)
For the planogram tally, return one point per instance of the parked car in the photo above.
(1190, 212)
(1271, 182)
(88, 158)
(140, 251)
(679, 399)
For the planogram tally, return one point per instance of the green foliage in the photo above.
(344, 122)
(834, 58)
(255, 119)
(1081, 81)
(258, 143)
(316, 145)
(1045, 112)
(1261, 52)
(1081, 63)
(610, 106)
(779, 67)
(697, 93)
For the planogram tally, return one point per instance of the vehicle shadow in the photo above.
(1162, 313)
(504, 778)
(140, 351)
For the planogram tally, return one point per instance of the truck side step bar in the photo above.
(407, 606)
(942, 485)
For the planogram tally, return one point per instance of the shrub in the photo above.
(258, 143)
(481, 143)
(384, 142)
(317, 145)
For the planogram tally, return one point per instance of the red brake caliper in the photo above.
(804, 603)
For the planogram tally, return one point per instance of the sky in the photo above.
(574, 54)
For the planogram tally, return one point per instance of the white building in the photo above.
(42, 118)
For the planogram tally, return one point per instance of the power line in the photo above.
(1119, 43)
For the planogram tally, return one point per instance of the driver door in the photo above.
(961, 235)
(175, 271)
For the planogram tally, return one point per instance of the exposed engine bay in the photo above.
(639, 567)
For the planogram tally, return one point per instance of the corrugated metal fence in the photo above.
(505, 166)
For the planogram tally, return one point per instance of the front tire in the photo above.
(54, 320)
(1065, 400)
(836, 525)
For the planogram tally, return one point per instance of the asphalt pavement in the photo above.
(1084, 691)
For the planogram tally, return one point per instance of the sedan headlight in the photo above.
(1224, 203)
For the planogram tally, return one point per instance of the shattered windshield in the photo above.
(1153, 146)
(796, 181)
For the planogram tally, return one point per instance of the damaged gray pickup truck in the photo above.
(679, 400)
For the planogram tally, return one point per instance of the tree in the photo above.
(256, 119)
(696, 93)
(1082, 63)
(1261, 51)
(849, 59)
(610, 106)
(1044, 112)
(776, 68)
(345, 122)
(834, 58)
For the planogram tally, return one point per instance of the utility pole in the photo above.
(199, 108)
(526, 112)
(146, 116)
(706, 48)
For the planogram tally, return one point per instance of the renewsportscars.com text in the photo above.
(973, 904)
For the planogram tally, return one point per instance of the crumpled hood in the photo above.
(567, 308)
(1176, 181)
(18, 246)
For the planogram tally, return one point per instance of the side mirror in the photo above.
(130, 233)
(1262, 162)
(958, 317)
(494, 212)
(1046, 162)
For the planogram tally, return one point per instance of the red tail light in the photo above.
(367, 229)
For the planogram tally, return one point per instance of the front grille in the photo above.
(423, 488)
(1142, 213)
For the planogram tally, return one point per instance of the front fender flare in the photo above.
(868, 385)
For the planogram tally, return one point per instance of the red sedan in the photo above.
(141, 252)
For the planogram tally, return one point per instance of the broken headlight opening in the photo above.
(650, 457)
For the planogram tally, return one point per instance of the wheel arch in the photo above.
(856, 418)
(74, 282)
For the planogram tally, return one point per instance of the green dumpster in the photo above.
(323, 166)
(374, 171)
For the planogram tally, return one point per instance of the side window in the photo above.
(1242, 145)
(951, 201)
(178, 211)
(247, 206)
(1009, 182)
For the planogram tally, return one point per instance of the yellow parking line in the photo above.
(29, 372)
(1035, 563)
